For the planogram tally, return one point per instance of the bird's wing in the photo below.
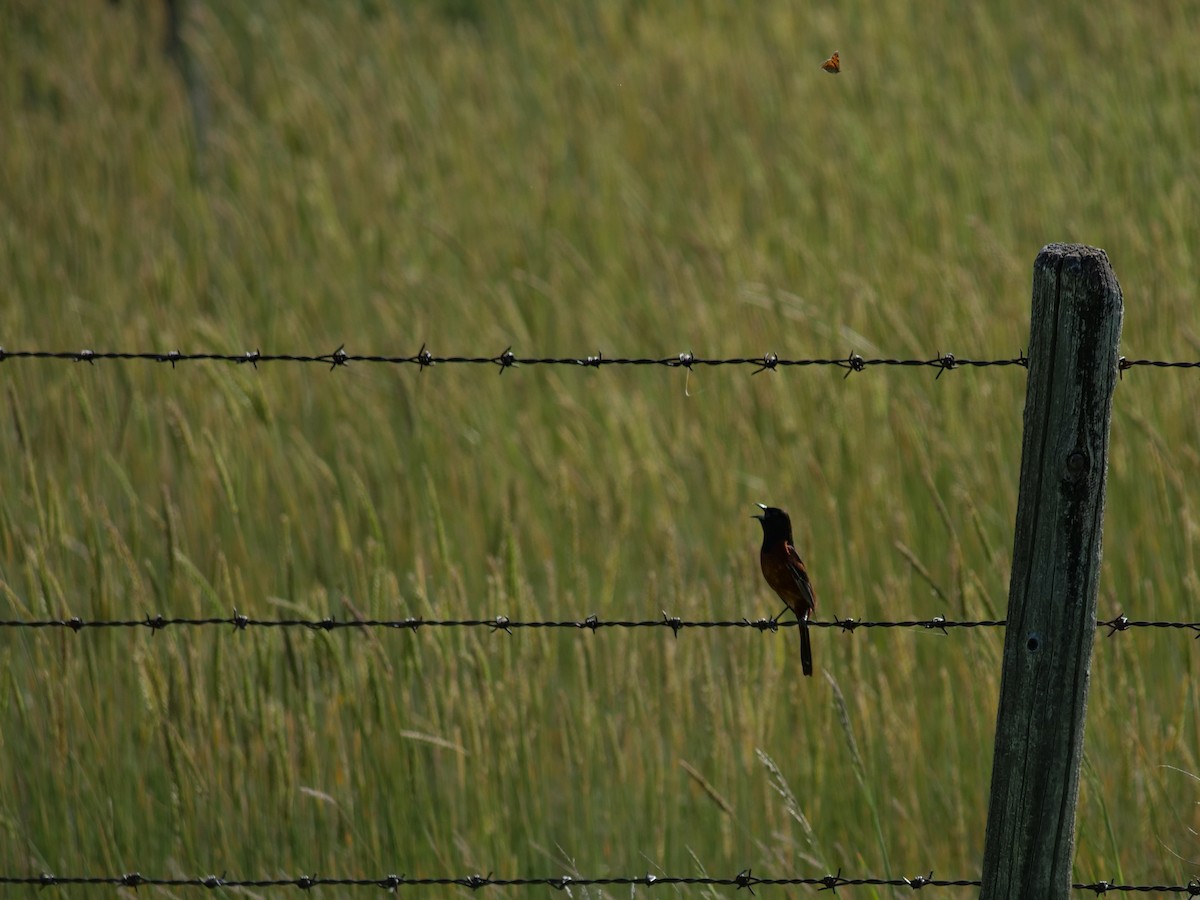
(800, 575)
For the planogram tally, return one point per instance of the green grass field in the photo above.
(630, 178)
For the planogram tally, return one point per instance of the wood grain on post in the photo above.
(1073, 369)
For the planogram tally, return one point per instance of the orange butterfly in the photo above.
(833, 65)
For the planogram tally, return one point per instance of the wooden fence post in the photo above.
(1073, 369)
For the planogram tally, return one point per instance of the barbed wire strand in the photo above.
(507, 359)
(744, 879)
(593, 623)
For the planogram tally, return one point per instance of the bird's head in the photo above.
(775, 521)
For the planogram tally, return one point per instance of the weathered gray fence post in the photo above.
(1073, 369)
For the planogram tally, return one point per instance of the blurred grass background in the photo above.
(568, 178)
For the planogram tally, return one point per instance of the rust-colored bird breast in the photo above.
(785, 573)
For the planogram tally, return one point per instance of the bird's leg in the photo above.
(775, 620)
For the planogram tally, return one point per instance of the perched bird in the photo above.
(785, 573)
(833, 65)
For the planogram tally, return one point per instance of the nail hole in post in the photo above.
(1077, 463)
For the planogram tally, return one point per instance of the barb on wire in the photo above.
(1124, 623)
(1125, 363)
(744, 879)
(501, 623)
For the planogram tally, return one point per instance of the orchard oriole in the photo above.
(785, 573)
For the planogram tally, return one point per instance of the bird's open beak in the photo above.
(761, 506)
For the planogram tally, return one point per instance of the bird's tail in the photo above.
(805, 648)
